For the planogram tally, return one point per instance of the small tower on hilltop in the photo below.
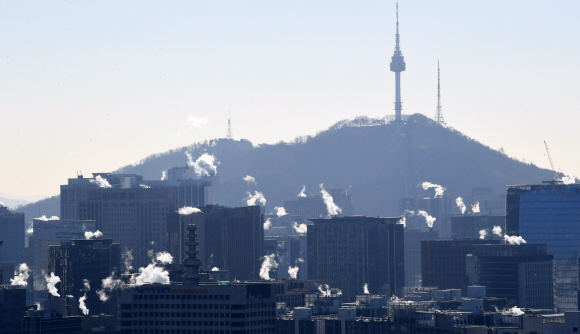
(439, 113)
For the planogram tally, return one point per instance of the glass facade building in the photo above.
(548, 214)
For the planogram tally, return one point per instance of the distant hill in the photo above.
(48, 207)
(377, 161)
(12, 203)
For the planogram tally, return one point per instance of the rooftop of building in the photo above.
(356, 219)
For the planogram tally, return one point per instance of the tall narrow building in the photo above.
(397, 66)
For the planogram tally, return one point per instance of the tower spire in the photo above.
(230, 135)
(398, 66)
(439, 113)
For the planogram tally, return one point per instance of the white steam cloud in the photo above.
(51, 284)
(90, 235)
(268, 224)
(482, 234)
(152, 273)
(250, 179)
(300, 229)
(460, 204)
(293, 271)
(268, 263)
(187, 210)
(475, 208)
(86, 285)
(21, 275)
(302, 194)
(257, 197)
(108, 284)
(215, 269)
(513, 240)
(497, 231)
(102, 183)
(164, 258)
(196, 122)
(428, 219)
(47, 219)
(164, 175)
(324, 290)
(514, 311)
(366, 289)
(82, 305)
(128, 259)
(568, 179)
(332, 208)
(439, 190)
(205, 165)
(280, 211)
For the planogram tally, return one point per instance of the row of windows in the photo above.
(181, 297)
(193, 331)
(126, 323)
(210, 306)
(172, 314)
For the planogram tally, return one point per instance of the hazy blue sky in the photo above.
(95, 85)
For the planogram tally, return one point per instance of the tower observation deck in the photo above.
(398, 66)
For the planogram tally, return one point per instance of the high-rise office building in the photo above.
(191, 307)
(413, 238)
(349, 252)
(12, 233)
(443, 262)
(520, 273)
(133, 211)
(229, 238)
(549, 214)
(76, 260)
(12, 308)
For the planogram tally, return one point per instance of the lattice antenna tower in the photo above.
(230, 135)
(439, 113)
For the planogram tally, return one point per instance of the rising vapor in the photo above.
(21, 275)
(280, 211)
(302, 194)
(428, 219)
(90, 235)
(475, 208)
(439, 190)
(460, 204)
(268, 224)
(268, 263)
(251, 180)
(51, 284)
(100, 182)
(332, 208)
(205, 165)
(187, 210)
(257, 197)
(300, 229)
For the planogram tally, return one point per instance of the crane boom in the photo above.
(550, 158)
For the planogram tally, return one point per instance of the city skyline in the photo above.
(86, 84)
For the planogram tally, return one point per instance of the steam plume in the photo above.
(51, 284)
(47, 219)
(102, 183)
(256, 197)
(215, 269)
(324, 290)
(187, 210)
(293, 271)
(205, 165)
(128, 258)
(251, 180)
(164, 175)
(439, 190)
(268, 224)
(300, 229)
(482, 234)
(280, 211)
(151, 274)
(514, 311)
(366, 289)
(21, 275)
(164, 258)
(497, 231)
(332, 208)
(302, 194)
(90, 235)
(108, 284)
(568, 179)
(428, 219)
(475, 208)
(82, 305)
(514, 240)
(268, 264)
(86, 285)
(460, 204)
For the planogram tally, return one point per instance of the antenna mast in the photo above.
(439, 114)
(230, 135)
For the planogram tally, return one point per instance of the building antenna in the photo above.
(439, 114)
(230, 135)
(397, 66)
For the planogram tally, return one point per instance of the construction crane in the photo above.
(551, 163)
